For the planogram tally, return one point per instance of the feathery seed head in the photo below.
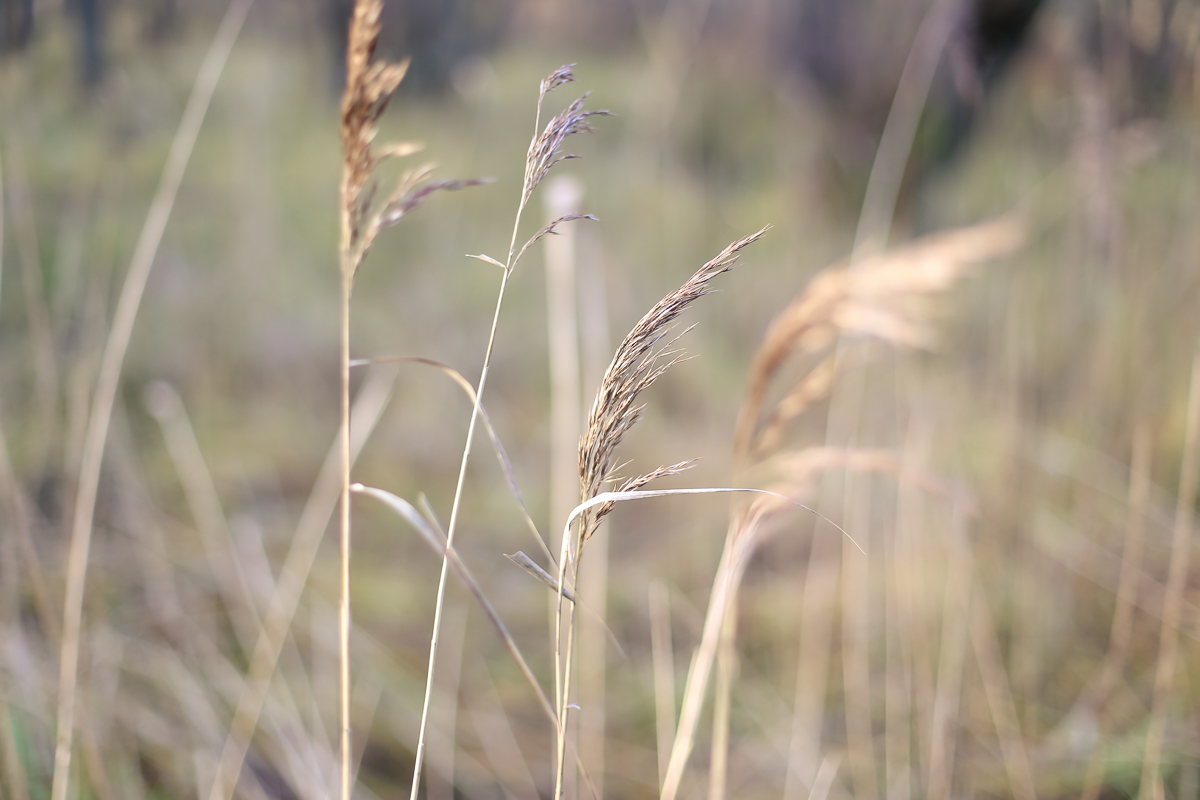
(885, 297)
(634, 368)
(556, 79)
(369, 86)
(544, 150)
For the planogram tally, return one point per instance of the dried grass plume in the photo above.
(634, 368)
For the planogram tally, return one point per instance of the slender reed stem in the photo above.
(110, 372)
(662, 655)
(532, 176)
(453, 526)
(1164, 675)
(722, 701)
(310, 531)
(997, 690)
(1098, 690)
(344, 606)
(959, 568)
(563, 661)
(875, 222)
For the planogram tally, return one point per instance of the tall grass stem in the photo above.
(110, 371)
(1168, 649)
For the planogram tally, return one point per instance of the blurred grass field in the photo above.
(1047, 362)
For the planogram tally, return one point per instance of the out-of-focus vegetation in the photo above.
(971, 651)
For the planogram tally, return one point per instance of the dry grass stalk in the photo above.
(166, 406)
(1106, 680)
(436, 540)
(826, 775)
(855, 644)
(595, 636)
(562, 328)
(110, 370)
(502, 458)
(895, 143)
(996, 687)
(885, 297)
(909, 692)
(960, 565)
(297, 564)
(369, 86)
(430, 531)
(1164, 675)
(663, 657)
(727, 663)
(543, 154)
(798, 474)
(637, 364)
(562, 194)
(450, 680)
(500, 742)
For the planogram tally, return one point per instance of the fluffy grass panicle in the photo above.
(634, 368)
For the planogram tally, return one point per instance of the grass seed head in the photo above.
(634, 368)
(886, 298)
(545, 149)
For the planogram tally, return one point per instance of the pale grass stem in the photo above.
(115, 348)
(883, 297)
(595, 636)
(998, 692)
(856, 671)
(960, 565)
(543, 154)
(369, 86)
(1102, 685)
(663, 658)
(1164, 675)
(322, 501)
(874, 227)
(561, 196)
(462, 473)
(636, 365)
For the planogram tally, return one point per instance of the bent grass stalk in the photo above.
(637, 364)
(544, 153)
(501, 454)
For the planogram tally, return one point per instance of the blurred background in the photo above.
(1003, 638)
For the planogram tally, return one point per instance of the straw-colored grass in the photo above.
(1010, 451)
